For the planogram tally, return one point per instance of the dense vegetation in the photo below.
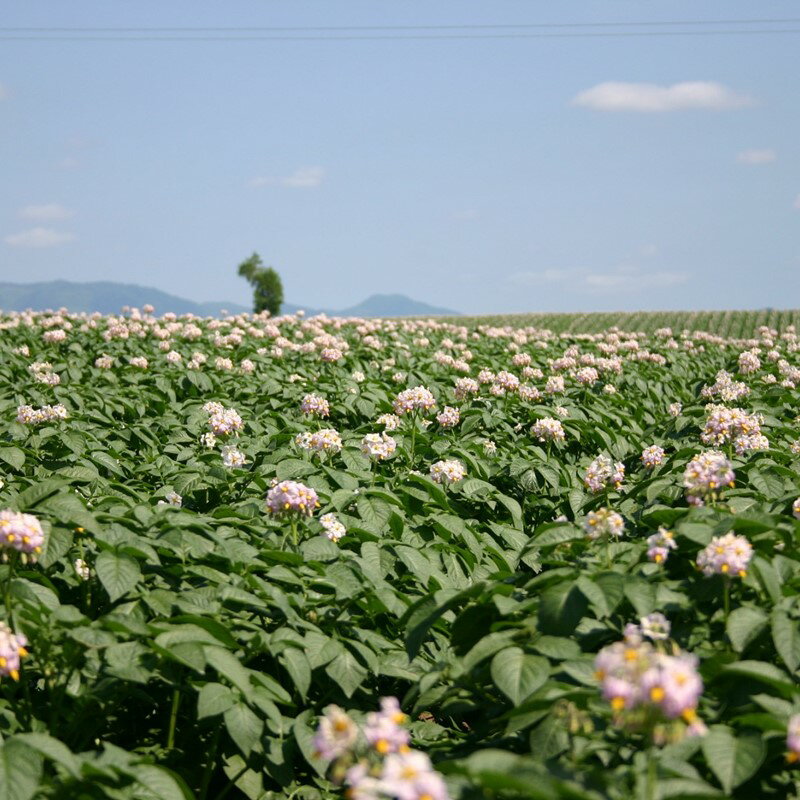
(185, 637)
(734, 324)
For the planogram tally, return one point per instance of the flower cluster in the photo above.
(726, 555)
(376, 760)
(659, 544)
(171, 499)
(291, 497)
(315, 406)
(232, 456)
(223, 421)
(390, 422)
(334, 529)
(447, 472)
(793, 739)
(12, 649)
(726, 388)
(587, 376)
(416, 399)
(548, 430)
(42, 372)
(705, 475)
(749, 362)
(379, 446)
(651, 688)
(652, 456)
(603, 522)
(733, 425)
(28, 415)
(602, 473)
(504, 382)
(20, 532)
(448, 417)
(326, 440)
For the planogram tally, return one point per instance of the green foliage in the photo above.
(196, 659)
(266, 283)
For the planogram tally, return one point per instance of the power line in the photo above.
(334, 28)
(416, 37)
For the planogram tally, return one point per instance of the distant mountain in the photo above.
(103, 296)
(395, 305)
(109, 298)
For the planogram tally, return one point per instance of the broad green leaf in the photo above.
(518, 674)
(347, 672)
(732, 759)
(214, 699)
(743, 625)
(786, 636)
(118, 572)
(244, 727)
(20, 770)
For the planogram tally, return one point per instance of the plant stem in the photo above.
(12, 563)
(209, 768)
(413, 437)
(652, 766)
(173, 717)
(726, 597)
(294, 533)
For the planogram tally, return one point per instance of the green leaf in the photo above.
(760, 671)
(732, 759)
(214, 699)
(20, 770)
(297, 666)
(13, 456)
(118, 573)
(561, 608)
(347, 672)
(786, 636)
(244, 727)
(518, 674)
(161, 782)
(744, 624)
(33, 495)
(486, 647)
(105, 460)
(421, 617)
(52, 749)
(557, 647)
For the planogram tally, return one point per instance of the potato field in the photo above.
(319, 558)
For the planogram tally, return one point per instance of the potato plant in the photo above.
(220, 534)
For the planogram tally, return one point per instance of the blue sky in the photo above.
(486, 175)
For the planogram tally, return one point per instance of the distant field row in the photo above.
(738, 324)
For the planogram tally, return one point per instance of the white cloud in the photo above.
(633, 280)
(38, 237)
(301, 178)
(48, 211)
(626, 278)
(797, 202)
(756, 157)
(649, 97)
(466, 215)
(69, 163)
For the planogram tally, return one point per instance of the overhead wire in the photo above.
(538, 30)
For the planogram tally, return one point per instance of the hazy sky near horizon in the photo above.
(488, 175)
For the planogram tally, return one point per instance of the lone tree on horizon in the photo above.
(266, 283)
